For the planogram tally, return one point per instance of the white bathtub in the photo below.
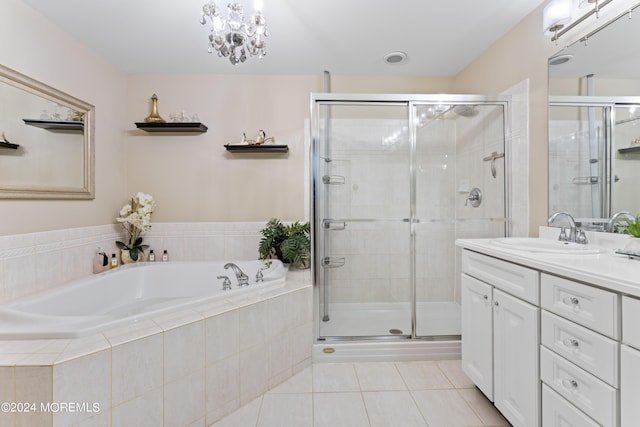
(131, 292)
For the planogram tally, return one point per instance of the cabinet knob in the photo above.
(496, 303)
(570, 384)
(486, 297)
(570, 342)
(572, 301)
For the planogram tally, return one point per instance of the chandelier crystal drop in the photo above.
(232, 37)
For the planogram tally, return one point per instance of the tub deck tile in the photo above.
(137, 330)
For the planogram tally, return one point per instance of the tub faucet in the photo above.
(612, 222)
(243, 279)
(572, 223)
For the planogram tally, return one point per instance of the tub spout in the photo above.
(243, 279)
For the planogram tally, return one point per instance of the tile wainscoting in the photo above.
(30, 263)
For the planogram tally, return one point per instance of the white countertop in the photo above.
(608, 270)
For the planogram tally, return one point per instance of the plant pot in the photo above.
(125, 256)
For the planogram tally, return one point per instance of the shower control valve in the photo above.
(475, 196)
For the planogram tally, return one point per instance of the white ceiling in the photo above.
(348, 37)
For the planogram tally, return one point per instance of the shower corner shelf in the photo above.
(628, 150)
(266, 148)
(190, 127)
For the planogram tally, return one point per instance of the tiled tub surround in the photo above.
(30, 263)
(186, 368)
(189, 367)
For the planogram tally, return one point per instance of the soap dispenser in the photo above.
(100, 261)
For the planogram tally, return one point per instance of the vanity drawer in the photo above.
(557, 412)
(594, 308)
(589, 394)
(591, 351)
(519, 281)
(631, 321)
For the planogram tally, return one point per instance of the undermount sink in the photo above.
(532, 244)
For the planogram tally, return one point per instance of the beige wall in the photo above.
(521, 54)
(35, 47)
(194, 178)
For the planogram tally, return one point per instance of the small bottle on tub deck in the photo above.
(114, 261)
(152, 256)
(165, 256)
(100, 262)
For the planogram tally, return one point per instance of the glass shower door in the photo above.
(362, 196)
(458, 148)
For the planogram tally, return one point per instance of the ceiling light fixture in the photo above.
(232, 37)
(395, 57)
(555, 16)
(560, 59)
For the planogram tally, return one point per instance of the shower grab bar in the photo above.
(333, 179)
(330, 224)
(585, 180)
(492, 158)
(330, 262)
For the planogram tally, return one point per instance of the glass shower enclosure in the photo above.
(395, 180)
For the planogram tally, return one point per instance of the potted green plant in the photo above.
(633, 226)
(289, 243)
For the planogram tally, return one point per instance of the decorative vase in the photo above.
(154, 117)
(125, 256)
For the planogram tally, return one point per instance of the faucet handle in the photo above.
(563, 235)
(581, 237)
(226, 283)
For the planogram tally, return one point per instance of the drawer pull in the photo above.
(570, 342)
(570, 384)
(572, 301)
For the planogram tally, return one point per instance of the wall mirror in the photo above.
(46, 141)
(594, 123)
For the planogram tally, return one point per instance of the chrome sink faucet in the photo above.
(572, 224)
(612, 221)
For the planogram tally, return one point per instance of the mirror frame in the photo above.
(87, 190)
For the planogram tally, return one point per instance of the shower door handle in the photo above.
(329, 224)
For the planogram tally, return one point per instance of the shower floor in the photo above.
(375, 319)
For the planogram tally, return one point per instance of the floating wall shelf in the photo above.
(634, 149)
(68, 125)
(268, 148)
(195, 127)
(5, 144)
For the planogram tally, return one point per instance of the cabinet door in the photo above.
(516, 372)
(629, 386)
(477, 357)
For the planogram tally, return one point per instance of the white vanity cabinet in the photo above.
(500, 336)
(579, 353)
(630, 363)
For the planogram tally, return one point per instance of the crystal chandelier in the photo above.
(232, 37)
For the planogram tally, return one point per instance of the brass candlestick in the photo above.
(154, 117)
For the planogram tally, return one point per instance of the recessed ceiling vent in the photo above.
(395, 57)
(560, 59)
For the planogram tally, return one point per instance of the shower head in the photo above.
(465, 110)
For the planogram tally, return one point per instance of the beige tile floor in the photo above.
(403, 394)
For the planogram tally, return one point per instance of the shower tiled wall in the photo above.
(33, 262)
